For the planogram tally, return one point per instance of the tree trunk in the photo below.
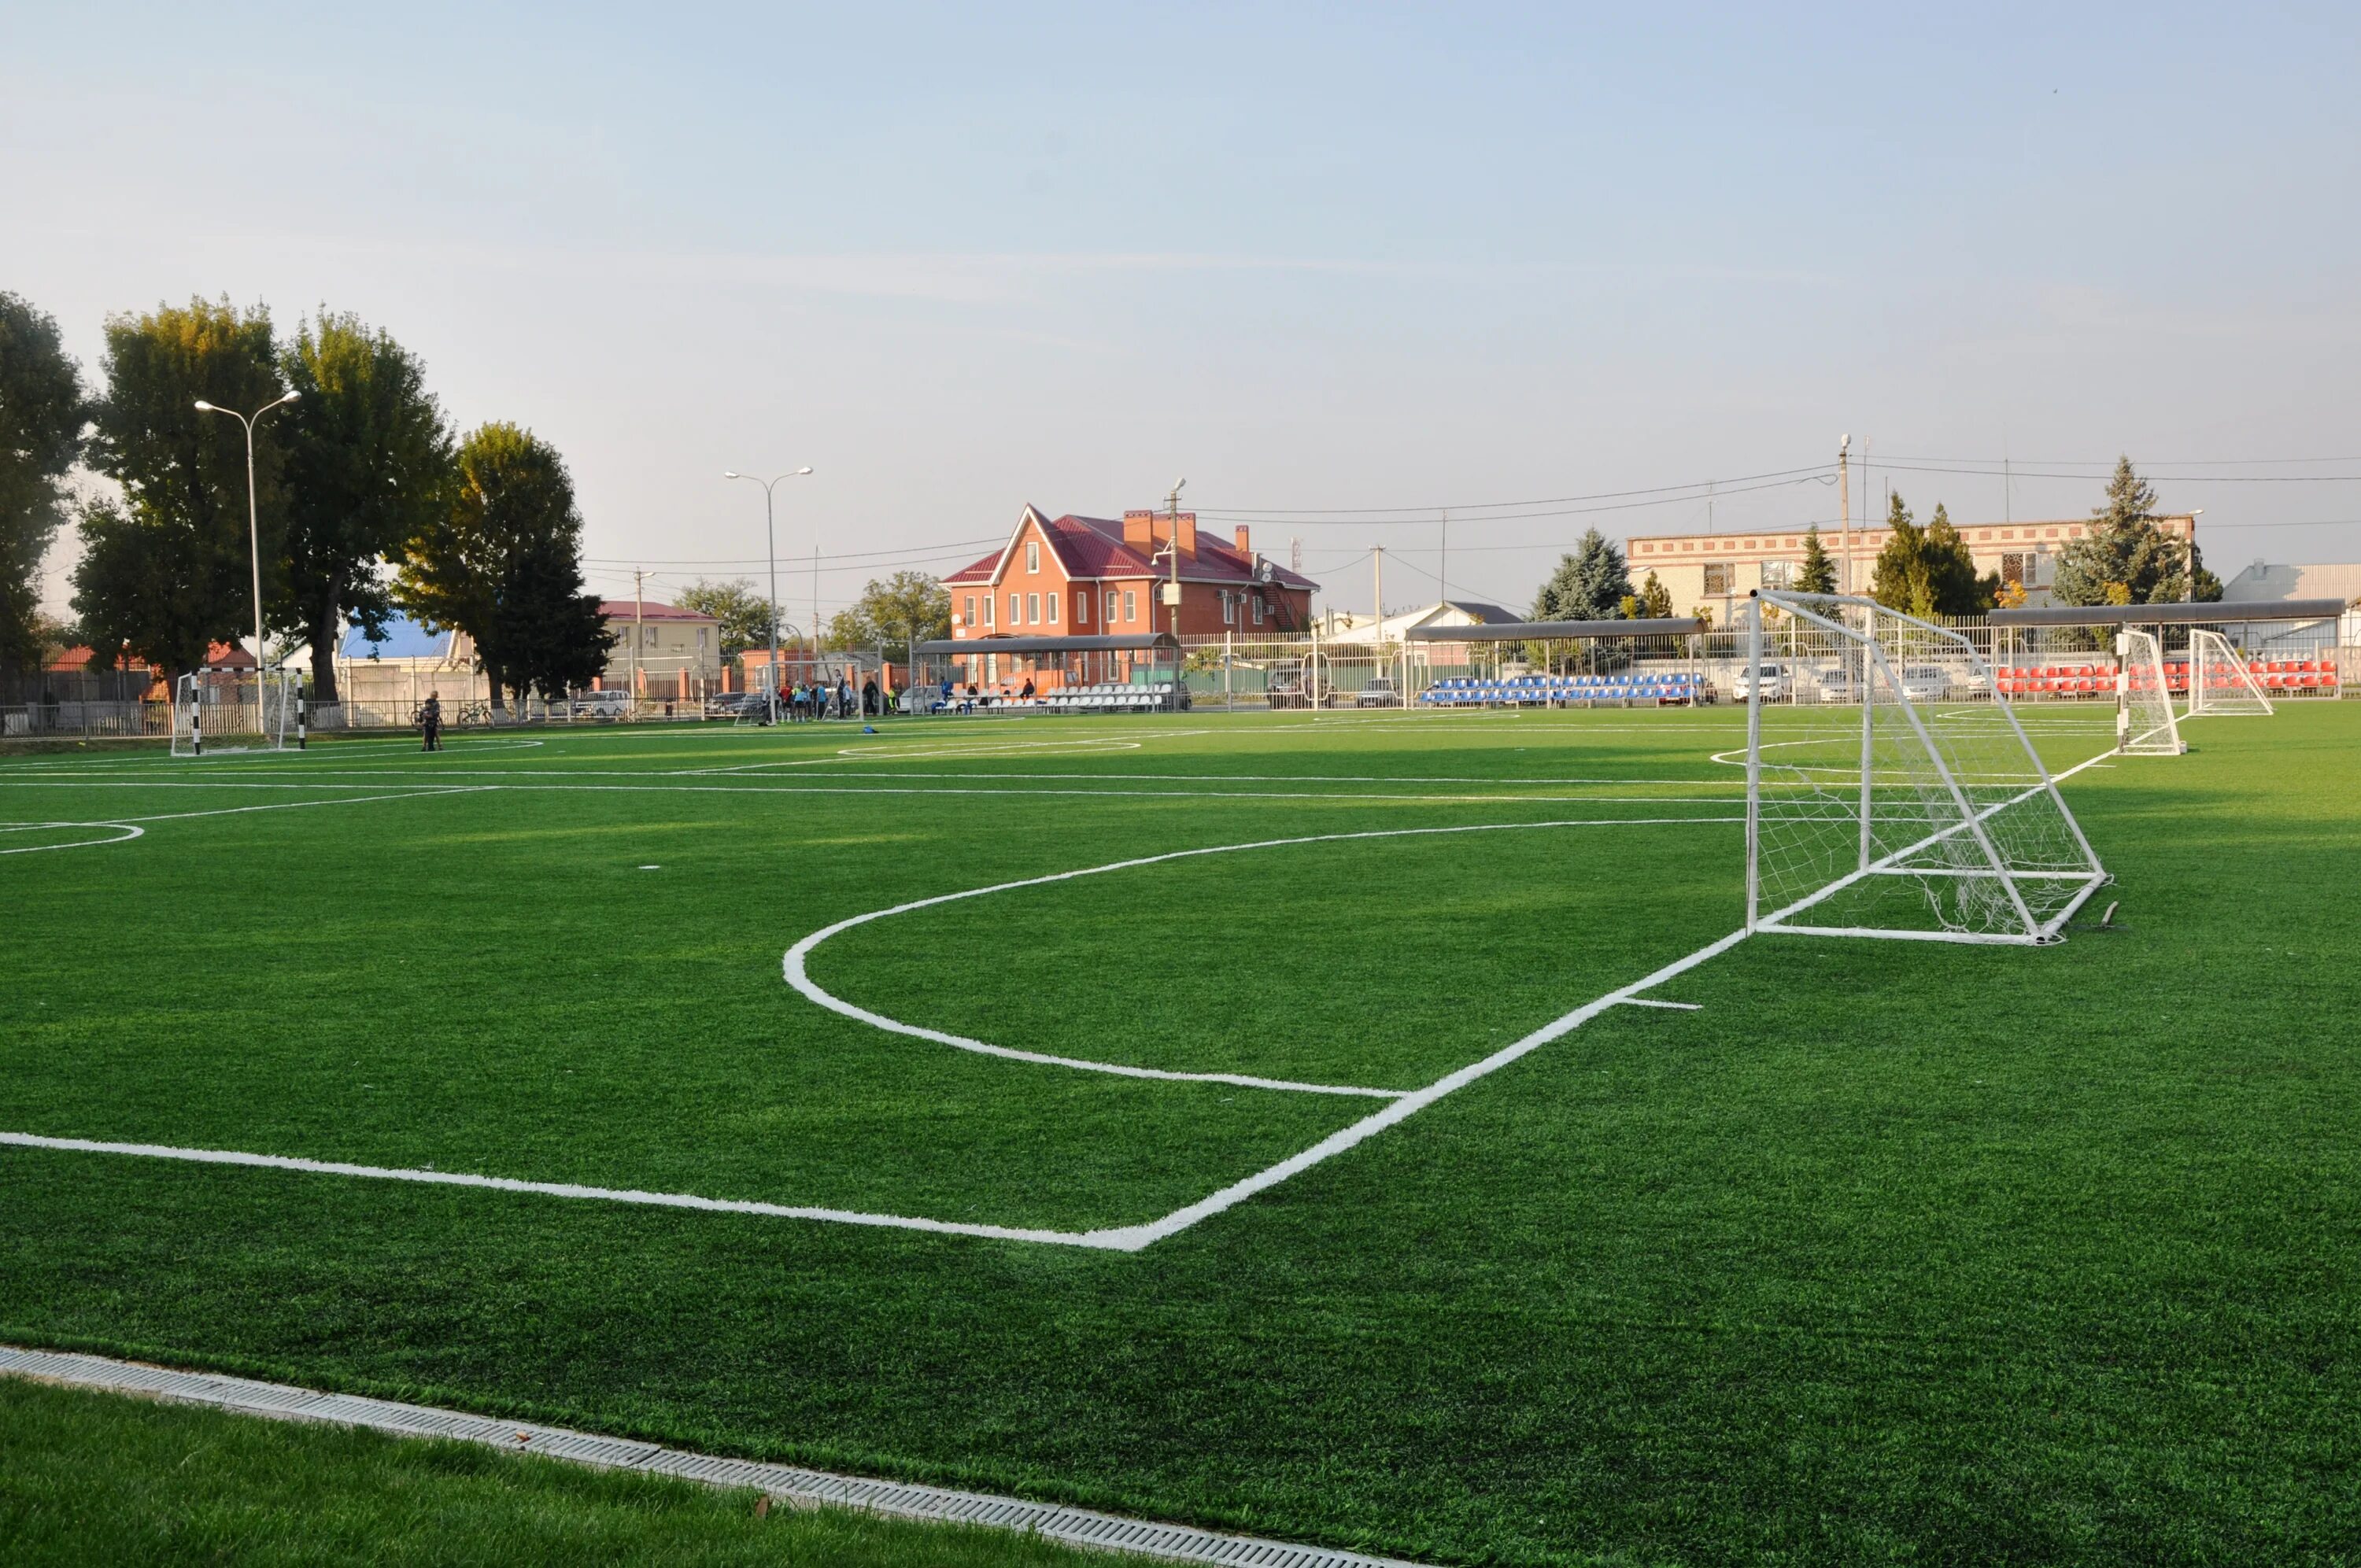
(321, 634)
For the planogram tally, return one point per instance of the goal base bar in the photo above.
(2049, 932)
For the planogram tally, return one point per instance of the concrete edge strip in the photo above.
(791, 1484)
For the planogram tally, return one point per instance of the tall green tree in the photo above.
(904, 606)
(165, 570)
(502, 562)
(1650, 601)
(41, 417)
(2125, 557)
(368, 465)
(737, 604)
(1590, 584)
(1820, 572)
(1898, 578)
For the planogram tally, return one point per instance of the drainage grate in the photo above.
(1077, 1527)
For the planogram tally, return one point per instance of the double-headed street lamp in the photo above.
(253, 522)
(770, 539)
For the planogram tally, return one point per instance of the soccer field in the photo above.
(1362, 1128)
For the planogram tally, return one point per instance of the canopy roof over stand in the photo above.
(1558, 631)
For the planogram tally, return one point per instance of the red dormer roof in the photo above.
(1091, 548)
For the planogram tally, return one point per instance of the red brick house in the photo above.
(1091, 577)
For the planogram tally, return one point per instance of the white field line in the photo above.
(429, 772)
(969, 792)
(543, 1188)
(1651, 1001)
(793, 965)
(1132, 1238)
(128, 833)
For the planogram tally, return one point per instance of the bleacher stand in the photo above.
(1106, 697)
(2315, 677)
(1648, 688)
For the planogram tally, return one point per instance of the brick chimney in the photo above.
(1146, 531)
(1245, 548)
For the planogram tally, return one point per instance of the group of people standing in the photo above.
(816, 699)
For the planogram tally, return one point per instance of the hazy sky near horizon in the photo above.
(962, 259)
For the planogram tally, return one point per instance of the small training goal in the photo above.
(2144, 723)
(215, 712)
(2220, 683)
(1891, 790)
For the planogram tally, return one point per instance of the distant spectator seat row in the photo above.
(1520, 691)
(2295, 675)
(1107, 696)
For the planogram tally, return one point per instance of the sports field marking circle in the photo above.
(793, 965)
(124, 833)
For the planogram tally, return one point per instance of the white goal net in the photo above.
(2220, 684)
(215, 712)
(2144, 722)
(1891, 790)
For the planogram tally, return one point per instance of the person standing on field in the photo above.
(430, 722)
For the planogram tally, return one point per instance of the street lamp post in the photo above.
(253, 525)
(771, 540)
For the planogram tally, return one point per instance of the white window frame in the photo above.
(1110, 607)
(987, 610)
(968, 618)
(1032, 610)
(1229, 611)
(1082, 607)
(1050, 607)
(1258, 609)
(1032, 558)
(1015, 609)
(1130, 605)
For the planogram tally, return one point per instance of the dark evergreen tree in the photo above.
(1820, 572)
(41, 418)
(1953, 586)
(1588, 585)
(1899, 579)
(2124, 558)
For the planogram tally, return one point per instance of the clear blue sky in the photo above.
(962, 259)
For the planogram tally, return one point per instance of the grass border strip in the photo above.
(789, 1482)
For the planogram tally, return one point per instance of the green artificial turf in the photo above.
(1890, 1252)
(97, 1478)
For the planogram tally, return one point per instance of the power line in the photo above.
(1349, 512)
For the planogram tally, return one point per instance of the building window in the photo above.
(967, 610)
(1032, 558)
(1015, 609)
(1053, 608)
(1717, 576)
(1110, 605)
(648, 635)
(700, 636)
(1082, 607)
(1229, 616)
(1258, 609)
(1032, 610)
(987, 610)
(2015, 567)
(1130, 605)
(1778, 573)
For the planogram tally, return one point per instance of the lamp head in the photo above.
(805, 469)
(731, 474)
(205, 408)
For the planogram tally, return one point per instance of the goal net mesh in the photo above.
(236, 710)
(1892, 790)
(2144, 722)
(2220, 684)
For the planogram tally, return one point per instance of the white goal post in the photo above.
(1907, 801)
(216, 711)
(2144, 722)
(2220, 684)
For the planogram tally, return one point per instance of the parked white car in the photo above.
(600, 705)
(1778, 683)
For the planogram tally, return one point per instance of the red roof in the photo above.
(227, 656)
(646, 610)
(1093, 547)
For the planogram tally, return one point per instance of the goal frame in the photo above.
(2033, 931)
(2205, 647)
(278, 696)
(2134, 645)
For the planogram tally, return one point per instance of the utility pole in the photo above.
(1442, 565)
(639, 581)
(1377, 592)
(1172, 595)
(1844, 509)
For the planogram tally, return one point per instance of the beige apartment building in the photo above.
(1713, 571)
